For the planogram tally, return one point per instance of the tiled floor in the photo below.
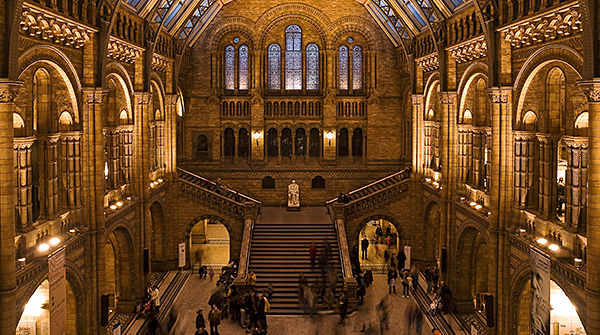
(196, 293)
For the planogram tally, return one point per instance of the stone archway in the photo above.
(159, 238)
(209, 244)
(472, 269)
(384, 247)
(120, 270)
(432, 230)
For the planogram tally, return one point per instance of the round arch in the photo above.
(157, 217)
(432, 227)
(385, 236)
(208, 237)
(121, 267)
(472, 256)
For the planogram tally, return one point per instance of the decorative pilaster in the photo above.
(418, 133)
(465, 153)
(576, 180)
(71, 169)
(169, 149)
(23, 180)
(524, 168)
(547, 174)
(478, 157)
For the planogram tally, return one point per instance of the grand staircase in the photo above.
(280, 251)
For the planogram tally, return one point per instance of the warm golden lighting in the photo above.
(553, 247)
(119, 204)
(54, 241)
(478, 207)
(43, 247)
(113, 207)
(542, 240)
(329, 136)
(473, 203)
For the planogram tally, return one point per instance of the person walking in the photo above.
(214, 317)
(218, 186)
(263, 307)
(200, 324)
(401, 260)
(392, 275)
(429, 278)
(406, 282)
(343, 307)
(364, 245)
(313, 253)
(154, 294)
(251, 280)
(270, 292)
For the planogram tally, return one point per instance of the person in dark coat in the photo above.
(446, 295)
(262, 314)
(364, 244)
(343, 306)
(401, 259)
(234, 307)
(392, 275)
(200, 324)
(368, 277)
(214, 317)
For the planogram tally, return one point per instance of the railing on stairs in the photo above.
(374, 193)
(237, 204)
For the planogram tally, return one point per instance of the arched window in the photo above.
(272, 143)
(343, 67)
(314, 146)
(243, 143)
(18, 121)
(357, 68)
(65, 120)
(293, 58)
(229, 145)
(300, 142)
(274, 67)
(343, 142)
(286, 142)
(312, 67)
(243, 68)
(357, 142)
(229, 68)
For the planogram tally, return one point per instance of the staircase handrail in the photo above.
(215, 184)
(405, 175)
(340, 229)
(252, 210)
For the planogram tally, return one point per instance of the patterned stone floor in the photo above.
(196, 293)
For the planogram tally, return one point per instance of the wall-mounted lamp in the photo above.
(256, 136)
(329, 136)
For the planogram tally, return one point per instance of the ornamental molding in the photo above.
(123, 51)
(417, 100)
(143, 99)
(558, 23)
(497, 97)
(576, 142)
(160, 63)
(95, 97)
(591, 89)
(429, 63)
(447, 98)
(23, 143)
(171, 99)
(470, 50)
(45, 25)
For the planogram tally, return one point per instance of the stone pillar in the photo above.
(524, 167)
(428, 134)
(8, 284)
(418, 133)
(51, 179)
(576, 180)
(478, 157)
(71, 169)
(592, 284)
(547, 175)
(500, 189)
(169, 148)
(92, 159)
(23, 197)
(465, 148)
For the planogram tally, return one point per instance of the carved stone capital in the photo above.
(94, 96)
(23, 143)
(524, 135)
(591, 89)
(9, 90)
(447, 98)
(576, 142)
(499, 95)
(143, 99)
(417, 99)
(171, 99)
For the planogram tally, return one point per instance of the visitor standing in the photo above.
(251, 280)
(364, 244)
(200, 324)
(214, 317)
(392, 275)
(429, 278)
(343, 306)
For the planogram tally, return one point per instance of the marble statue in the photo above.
(293, 195)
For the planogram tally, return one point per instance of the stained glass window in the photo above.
(243, 67)
(312, 67)
(293, 58)
(357, 68)
(343, 71)
(274, 67)
(229, 68)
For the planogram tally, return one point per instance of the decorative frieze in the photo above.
(429, 63)
(37, 22)
(549, 26)
(123, 51)
(470, 50)
(160, 63)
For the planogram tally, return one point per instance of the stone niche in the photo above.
(202, 144)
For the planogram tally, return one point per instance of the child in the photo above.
(211, 274)
(270, 292)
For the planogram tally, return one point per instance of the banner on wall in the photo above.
(181, 254)
(57, 279)
(407, 253)
(540, 293)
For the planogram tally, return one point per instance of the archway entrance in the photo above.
(119, 271)
(472, 269)
(35, 319)
(158, 237)
(384, 240)
(209, 244)
(563, 315)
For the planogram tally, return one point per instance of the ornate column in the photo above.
(114, 155)
(428, 151)
(547, 175)
(8, 284)
(465, 138)
(478, 161)
(51, 147)
(592, 285)
(524, 166)
(23, 200)
(576, 183)
(418, 133)
(71, 169)
(169, 147)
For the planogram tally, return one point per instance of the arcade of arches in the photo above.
(117, 119)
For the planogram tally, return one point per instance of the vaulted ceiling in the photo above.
(399, 19)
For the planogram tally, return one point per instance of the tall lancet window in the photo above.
(243, 68)
(293, 58)
(229, 68)
(312, 67)
(274, 67)
(343, 67)
(357, 68)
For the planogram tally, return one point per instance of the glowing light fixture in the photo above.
(478, 207)
(553, 247)
(329, 136)
(119, 204)
(473, 203)
(113, 207)
(71, 230)
(160, 180)
(43, 247)
(54, 241)
(256, 136)
(522, 230)
(542, 240)
(436, 176)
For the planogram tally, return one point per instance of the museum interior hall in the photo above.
(279, 159)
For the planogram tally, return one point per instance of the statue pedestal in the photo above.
(292, 208)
